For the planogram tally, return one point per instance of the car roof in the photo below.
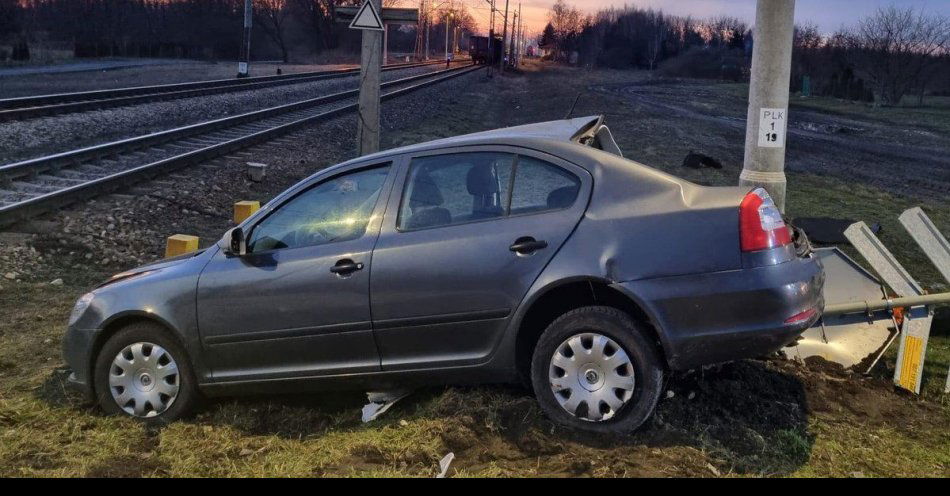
(563, 131)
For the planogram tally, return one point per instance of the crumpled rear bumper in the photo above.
(721, 316)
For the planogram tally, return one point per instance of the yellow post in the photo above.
(180, 244)
(912, 355)
(244, 209)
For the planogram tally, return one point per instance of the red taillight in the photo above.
(760, 223)
(798, 318)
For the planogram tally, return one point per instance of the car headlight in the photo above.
(81, 305)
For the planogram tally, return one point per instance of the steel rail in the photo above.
(21, 210)
(38, 165)
(44, 105)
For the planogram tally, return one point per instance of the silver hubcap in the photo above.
(591, 376)
(144, 379)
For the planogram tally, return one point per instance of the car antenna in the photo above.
(571, 112)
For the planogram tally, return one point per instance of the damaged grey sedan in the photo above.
(534, 254)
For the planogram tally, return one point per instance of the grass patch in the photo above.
(933, 115)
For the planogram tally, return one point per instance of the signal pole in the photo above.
(491, 37)
(767, 121)
(245, 55)
(520, 35)
(448, 21)
(511, 42)
(504, 36)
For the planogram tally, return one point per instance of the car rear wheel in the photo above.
(143, 373)
(595, 369)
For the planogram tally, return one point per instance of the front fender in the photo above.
(166, 295)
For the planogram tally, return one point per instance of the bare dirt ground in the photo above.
(749, 418)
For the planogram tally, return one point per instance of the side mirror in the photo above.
(233, 242)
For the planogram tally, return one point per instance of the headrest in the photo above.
(424, 191)
(482, 180)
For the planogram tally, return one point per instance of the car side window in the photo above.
(541, 186)
(455, 188)
(337, 209)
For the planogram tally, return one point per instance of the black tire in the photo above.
(631, 335)
(149, 332)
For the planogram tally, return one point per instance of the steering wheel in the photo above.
(316, 235)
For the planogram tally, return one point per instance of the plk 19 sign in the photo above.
(772, 124)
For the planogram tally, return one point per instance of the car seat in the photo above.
(425, 204)
(482, 183)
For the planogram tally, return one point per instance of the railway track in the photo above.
(30, 107)
(42, 184)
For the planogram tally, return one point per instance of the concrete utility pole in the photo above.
(504, 36)
(367, 137)
(448, 22)
(245, 58)
(511, 42)
(764, 163)
(520, 35)
(491, 37)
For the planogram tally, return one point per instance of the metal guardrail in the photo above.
(931, 241)
(915, 330)
(64, 196)
(44, 105)
(934, 245)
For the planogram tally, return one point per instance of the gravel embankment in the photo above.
(87, 242)
(36, 137)
(178, 72)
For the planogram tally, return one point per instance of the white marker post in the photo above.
(367, 19)
(245, 54)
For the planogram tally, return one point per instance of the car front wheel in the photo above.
(143, 373)
(595, 369)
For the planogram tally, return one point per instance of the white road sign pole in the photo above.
(369, 21)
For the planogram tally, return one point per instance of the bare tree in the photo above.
(9, 17)
(271, 16)
(567, 24)
(724, 31)
(897, 48)
(319, 17)
(658, 30)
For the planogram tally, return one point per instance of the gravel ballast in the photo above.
(166, 73)
(21, 140)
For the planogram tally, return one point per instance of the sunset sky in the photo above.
(827, 14)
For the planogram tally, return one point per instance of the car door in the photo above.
(297, 304)
(461, 244)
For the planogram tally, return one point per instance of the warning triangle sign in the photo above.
(367, 18)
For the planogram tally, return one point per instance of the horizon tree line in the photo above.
(885, 56)
(199, 29)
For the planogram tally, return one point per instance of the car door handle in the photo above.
(527, 245)
(346, 266)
